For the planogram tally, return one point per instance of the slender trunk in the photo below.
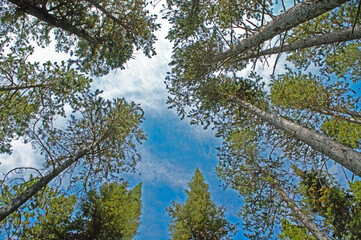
(103, 10)
(337, 115)
(30, 8)
(20, 87)
(36, 187)
(302, 12)
(338, 36)
(346, 156)
(316, 232)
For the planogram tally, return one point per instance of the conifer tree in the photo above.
(199, 217)
(111, 212)
(99, 35)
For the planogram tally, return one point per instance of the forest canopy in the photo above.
(290, 137)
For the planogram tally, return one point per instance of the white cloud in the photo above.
(155, 170)
(23, 156)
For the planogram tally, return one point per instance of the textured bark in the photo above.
(307, 222)
(36, 187)
(334, 37)
(302, 12)
(41, 13)
(346, 156)
(20, 87)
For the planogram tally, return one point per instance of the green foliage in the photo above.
(335, 102)
(293, 232)
(299, 91)
(193, 19)
(50, 209)
(101, 35)
(30, 91)
(339, 208)
(112, 212)
(341, 59)
(112, 127)
(343, 131)
(199, 217)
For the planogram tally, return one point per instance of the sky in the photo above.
(174, 148)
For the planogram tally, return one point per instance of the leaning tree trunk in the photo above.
(307, 222)
(333, 37)
(43, 14)
(346, 156)
(5, 88)
(14, 204)
(302, 12)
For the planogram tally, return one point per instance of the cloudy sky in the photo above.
(174, 148)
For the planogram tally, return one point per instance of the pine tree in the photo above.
(199, 217)
(100, 35)
(101, 142)
(110, 212)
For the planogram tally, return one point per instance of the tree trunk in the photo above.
(339, 36)
(109, 15)
(20, 87)
(302, 12)
(36, 187)
(316, 232)
(30, 8)
(346, 156)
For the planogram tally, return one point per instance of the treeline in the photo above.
(280, 132)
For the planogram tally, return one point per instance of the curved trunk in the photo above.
(338, 36)
(346, 156)
(14, 204)
(302, 12)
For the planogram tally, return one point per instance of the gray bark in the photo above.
(43, 15)
(302, 12)
(36, 187)
(20, 87)
(346, 156)
(338, 36)
(307, 222)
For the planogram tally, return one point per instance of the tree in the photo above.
(104, 33)
(196, 88)
(339, 207)
(335, 102)
(263, 185)
(112, 212)
(199, 217)
(100, 144)
(296, 15)
(33, 92)
(333, 37)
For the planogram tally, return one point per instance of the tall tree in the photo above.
(101, 143)
(199, 217)
(104, 33)
(112, 213)
(196, 89)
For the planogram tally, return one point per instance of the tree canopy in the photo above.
(199, 217)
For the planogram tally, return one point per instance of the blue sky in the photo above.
(174, 148)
